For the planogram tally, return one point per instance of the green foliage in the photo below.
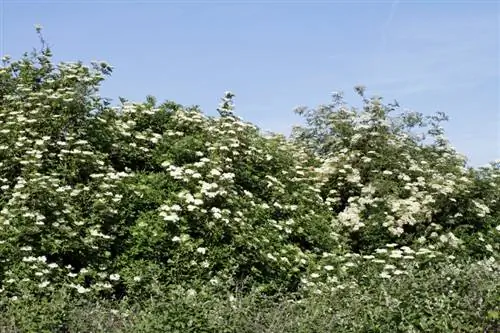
(446, 298)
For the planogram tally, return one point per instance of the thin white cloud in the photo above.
(438, 56)
(383, 38)
(388, 22)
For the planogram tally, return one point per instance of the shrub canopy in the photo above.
(121, 200)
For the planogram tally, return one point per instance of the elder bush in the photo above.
(116, 200)
(395, 178)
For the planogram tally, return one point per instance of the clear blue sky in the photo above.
(275, 55)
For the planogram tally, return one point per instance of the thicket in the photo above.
(155, 217)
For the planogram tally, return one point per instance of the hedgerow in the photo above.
(143, 199)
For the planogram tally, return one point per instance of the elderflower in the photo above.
(114, 277)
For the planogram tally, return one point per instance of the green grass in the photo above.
(444, 298)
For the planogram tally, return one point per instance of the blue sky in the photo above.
(276, 55)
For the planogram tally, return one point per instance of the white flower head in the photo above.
(201, 250)
(114, 277)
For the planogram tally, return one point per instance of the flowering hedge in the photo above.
(114, 201)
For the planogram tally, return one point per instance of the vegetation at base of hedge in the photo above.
(162, 213)
(447, 298)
